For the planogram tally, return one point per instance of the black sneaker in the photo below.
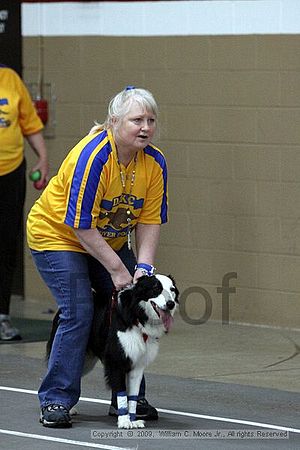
(55, 416)
(144, 411)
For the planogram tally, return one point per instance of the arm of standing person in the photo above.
(95, 245)
(147, 238)
(37, 143)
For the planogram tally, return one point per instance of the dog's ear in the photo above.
(126, 306)
(126, 296)
(129, 309)
(176, 291)
(147, 287)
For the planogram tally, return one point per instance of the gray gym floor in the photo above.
(216, 387)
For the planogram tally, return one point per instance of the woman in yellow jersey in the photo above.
(79, 232)
(18, 118)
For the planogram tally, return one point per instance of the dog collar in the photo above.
(144, 335)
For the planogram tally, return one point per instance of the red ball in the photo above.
(39, 185)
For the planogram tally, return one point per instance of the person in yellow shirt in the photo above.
(79, 232)
(18, 119)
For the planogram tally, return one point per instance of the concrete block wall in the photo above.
(230, 129)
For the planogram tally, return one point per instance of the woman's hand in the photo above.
(43, 166)
(121, 278)
(138, 274)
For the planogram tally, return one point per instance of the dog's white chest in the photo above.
(141, 352)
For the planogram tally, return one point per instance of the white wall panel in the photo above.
(165, 18)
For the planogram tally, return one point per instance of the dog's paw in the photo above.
(124, 422)
(73, 411)
(138, 424)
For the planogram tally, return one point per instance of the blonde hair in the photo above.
(120, 105)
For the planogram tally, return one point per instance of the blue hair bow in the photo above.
(129, 88)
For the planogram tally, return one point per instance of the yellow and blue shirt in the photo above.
(87, 193)
(18, 118)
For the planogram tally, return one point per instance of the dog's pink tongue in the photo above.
(167, 319)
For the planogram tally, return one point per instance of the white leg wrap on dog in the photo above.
(122, 403)
(132, 401)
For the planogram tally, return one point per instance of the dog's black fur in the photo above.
(131, 310)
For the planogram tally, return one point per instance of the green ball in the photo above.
(35, 176)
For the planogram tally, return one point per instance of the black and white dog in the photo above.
(125, 337)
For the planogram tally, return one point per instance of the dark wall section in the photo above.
(11, 56)
(10, 34)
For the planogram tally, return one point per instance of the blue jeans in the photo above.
(70, 277)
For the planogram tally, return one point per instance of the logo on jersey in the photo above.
(118, 211)
(4, 121)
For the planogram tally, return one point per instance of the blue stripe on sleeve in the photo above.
(159, 158)
(92, 183)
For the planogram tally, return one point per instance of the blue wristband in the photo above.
(146, 268)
